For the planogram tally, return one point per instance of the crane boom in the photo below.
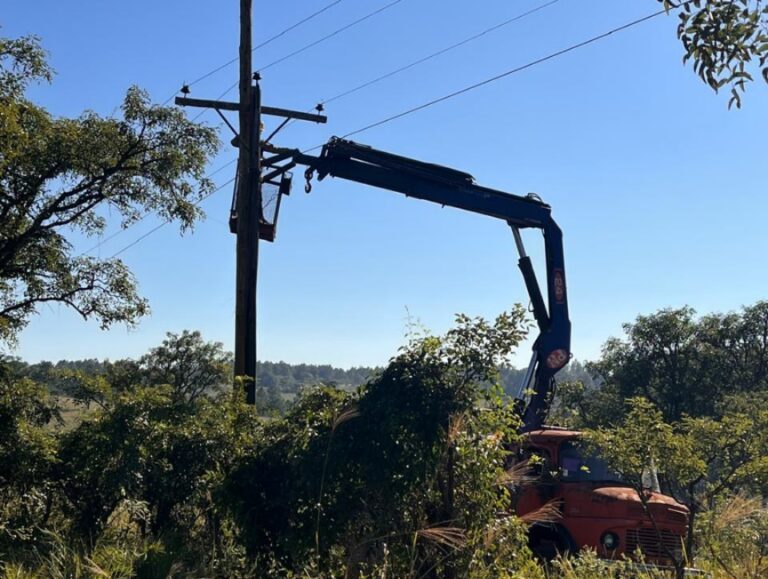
(551, 351)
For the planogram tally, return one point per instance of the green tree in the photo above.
(660, 359)
(188, 365)
(27, 458)
(642, 445)
(144, 446)
(687, 366)
(703, 462)
(727, 40)
(58, 174)
(191, 366)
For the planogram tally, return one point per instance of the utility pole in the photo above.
(248, 206)
(246, 216)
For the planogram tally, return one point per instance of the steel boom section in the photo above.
(448, 187)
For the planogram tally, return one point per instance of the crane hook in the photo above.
(308, 174)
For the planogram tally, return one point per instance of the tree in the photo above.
(188, 364)
(644, 443)
(27, 458)
(58, 174)
(185, 364)
(702, 462)
(724, 38)
(660, 359)
(683, 364)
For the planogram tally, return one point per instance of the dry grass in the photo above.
(549, 512)
(452, 537)
(345, 415)
(738, 509)
(456, 427)
(519, 474)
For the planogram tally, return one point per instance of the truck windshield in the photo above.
(578, 466)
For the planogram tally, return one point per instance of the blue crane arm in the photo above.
(445, 186)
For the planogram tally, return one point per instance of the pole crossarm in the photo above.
(272, 111)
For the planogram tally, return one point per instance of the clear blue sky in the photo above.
(660, 190)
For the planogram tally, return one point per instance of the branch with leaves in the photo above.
(57, 175)
(727, 40)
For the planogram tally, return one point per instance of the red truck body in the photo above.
(598, 510)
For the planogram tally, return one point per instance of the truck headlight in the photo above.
(610, 541)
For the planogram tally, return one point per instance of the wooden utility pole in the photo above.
(248, 210)
(246, 219)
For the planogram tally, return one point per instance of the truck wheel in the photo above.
(547, 542)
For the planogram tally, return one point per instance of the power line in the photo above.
(440, 52)
(166, 222)
(503, 74)
(320, 40)
(268, 41)
(433, 55)
(331, 35)
(261, 45)
(121, 231)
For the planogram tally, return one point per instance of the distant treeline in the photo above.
(278, 376)
(285, 377)
(274, 377)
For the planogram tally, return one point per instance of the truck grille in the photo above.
(647, 540)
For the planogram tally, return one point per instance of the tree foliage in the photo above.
(403, 476)
(683, 364)
(389, 471)
(703, 462)
(57, 175)
(191, 366)
(727, 40)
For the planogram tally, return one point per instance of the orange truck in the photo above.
(598, 509)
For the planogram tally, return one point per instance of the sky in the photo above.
(659, 189)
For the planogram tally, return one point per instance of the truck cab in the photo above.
(599, 510)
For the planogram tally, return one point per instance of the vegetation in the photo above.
(58, 174)
(727, 41)
(404, 476)
(687, 398)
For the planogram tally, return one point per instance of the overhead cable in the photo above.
(260, 45)
(167, 221)
(502, 75)
(319, 41)
(268, 41)
(439, 52)
(123, 230)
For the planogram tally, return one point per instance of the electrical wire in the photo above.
(260, 45)
(143, 217)
(448, 96)
(318, 41)
(502, 75)
(268, 41)
(429, 57)
(166, 222)
(286, 57)
(439, 52)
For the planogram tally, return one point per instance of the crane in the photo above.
(445, 186)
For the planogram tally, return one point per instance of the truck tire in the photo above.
(548, 541)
